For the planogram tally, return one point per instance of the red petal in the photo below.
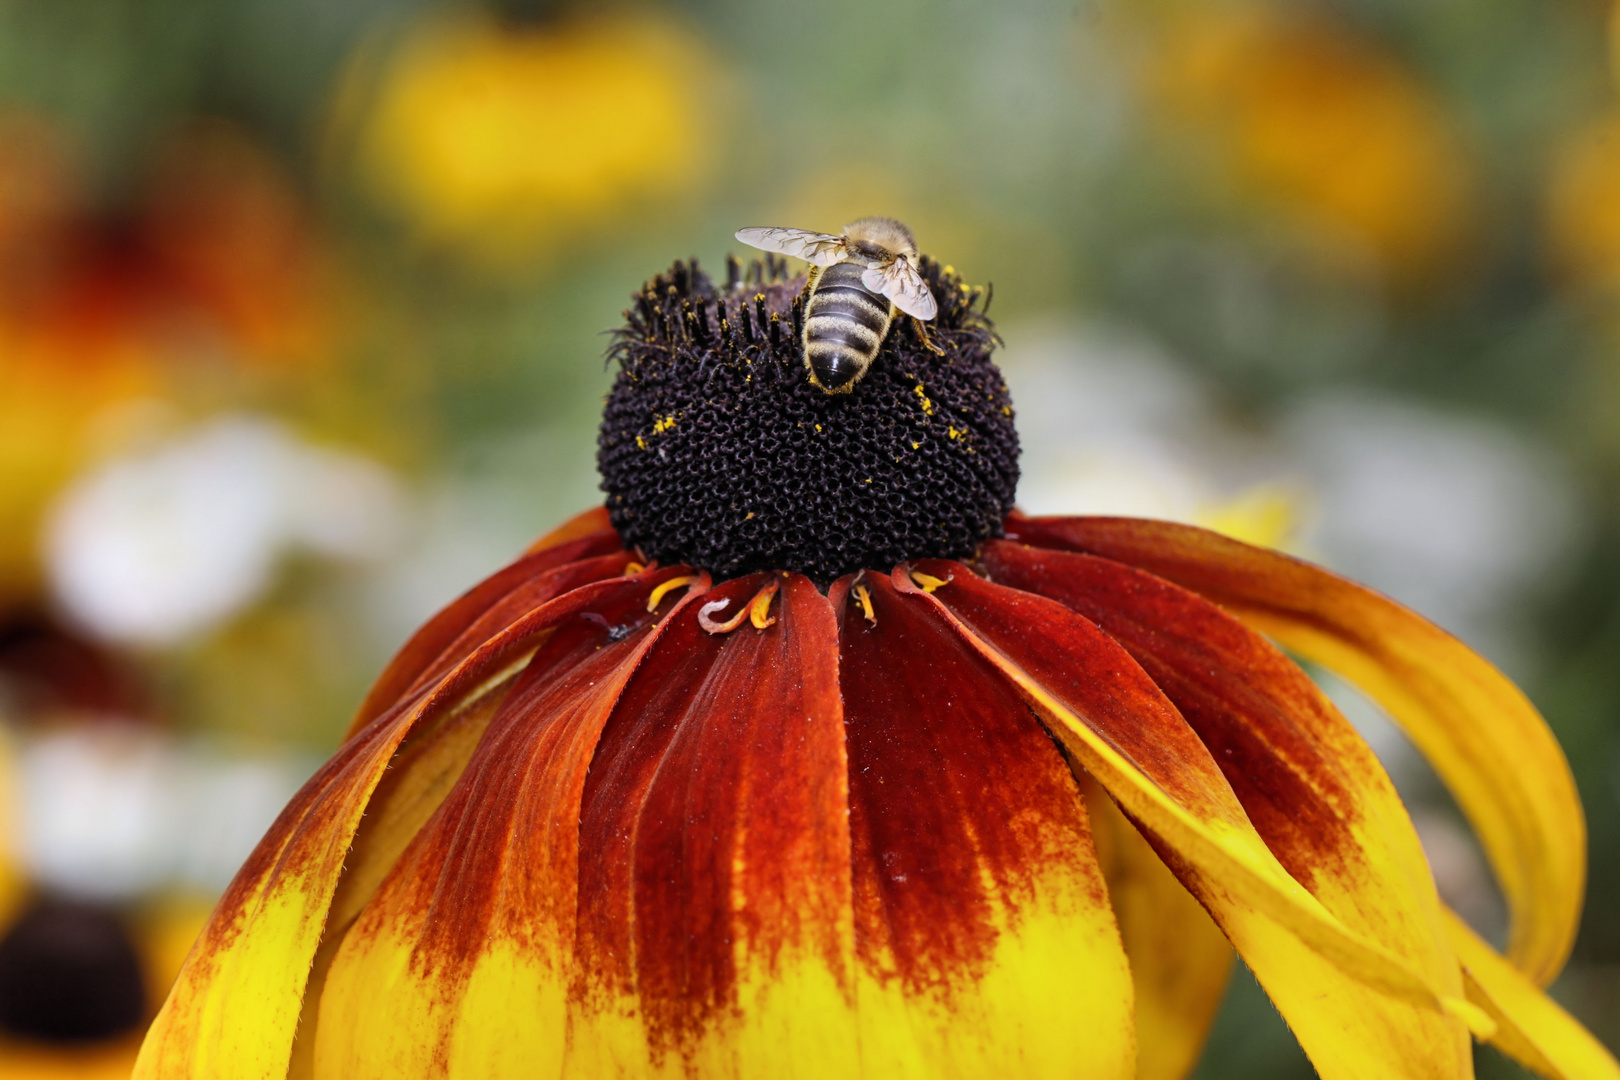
(1482, 735)
(1307, 780)
(713, 830)
(498, 863)
(1119, 725)
(276, 907)
(594, 520)
(981, 915)
(487, 608)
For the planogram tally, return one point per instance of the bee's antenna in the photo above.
(989, 295)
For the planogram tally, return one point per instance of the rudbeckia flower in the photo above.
(1326, 126)
(499, 141)
(805, 756)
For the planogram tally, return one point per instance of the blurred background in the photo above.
(301, 315)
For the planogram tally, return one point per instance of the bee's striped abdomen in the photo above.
(844, 327)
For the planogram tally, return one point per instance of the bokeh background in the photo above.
(301, 316)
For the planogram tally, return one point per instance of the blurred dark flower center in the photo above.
(69, 973)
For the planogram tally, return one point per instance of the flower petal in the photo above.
(986, 942)
(590, 523)
(475, 921)
(1180, 960)
(469, 620)
(1484, 738)
(1122, 729)
(1312, 787)
(715, 935)
(1531, 1027)
(234, 1009)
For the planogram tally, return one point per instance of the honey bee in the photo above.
(856, 283)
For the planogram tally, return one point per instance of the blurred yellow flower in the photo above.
(1304, 114)
(498, 140)
(1583, 205)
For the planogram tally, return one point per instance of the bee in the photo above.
(856, 283)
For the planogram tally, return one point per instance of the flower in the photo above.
(499, 140)
(80, 978)
(157, 548)
(1582, 224)
(789, 803)
(1308, 116)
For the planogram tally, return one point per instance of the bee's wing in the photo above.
(821, 249)
(901, 283)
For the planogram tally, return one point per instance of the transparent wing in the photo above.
(900, 282)
(821, 249)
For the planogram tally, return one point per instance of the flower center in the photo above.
(717, 450)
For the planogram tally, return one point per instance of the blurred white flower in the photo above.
(97, 810)
(154, 548)
(111, 810)
(1454, 517)
(1112, 424)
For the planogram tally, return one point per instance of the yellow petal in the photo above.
(1531, 1027)
(1484, 738)
(1180, 960)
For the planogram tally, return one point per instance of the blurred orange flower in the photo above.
(1583, 205)
(1303, 113)
(216, 268)
(500, 140)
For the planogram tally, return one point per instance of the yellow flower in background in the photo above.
(1583, 206)
(499, 140)
(1304, 114)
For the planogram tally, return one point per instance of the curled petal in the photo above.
(1531, 1027)
(1312, 787)
(1484, 738)
(1120, 727)
(260, 941)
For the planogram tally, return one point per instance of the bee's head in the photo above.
(885, 233)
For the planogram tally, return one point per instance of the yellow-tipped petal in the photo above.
(1531, 1027)
(986, 941)
(1359, 1008)
(1484, 738)
(1180, 961)
(234, 1010)
(1311, 786)
(471, 960)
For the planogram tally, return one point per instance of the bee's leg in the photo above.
(922, 336)
(810, 280)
